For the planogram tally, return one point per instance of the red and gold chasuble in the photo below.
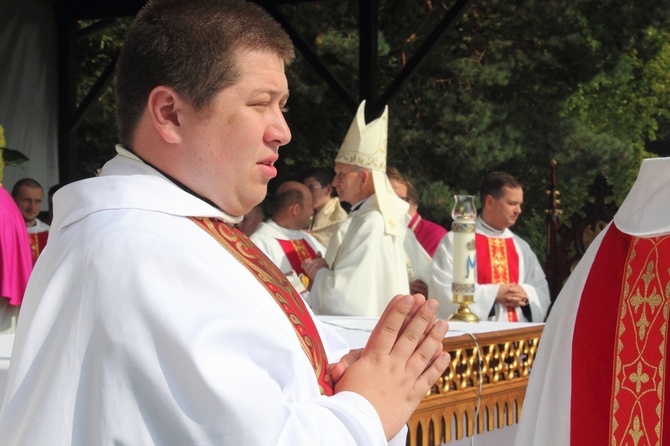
(620, 345)
(267, 273)
(37, 243)
(497, 262)
(297, 251)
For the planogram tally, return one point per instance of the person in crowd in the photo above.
(369, 244)
(427, 232)
(283, 238)
(329, 212)
(151, 319)
(28, 195)
(419, 262)
(599, 376)
(15, 261)
(251, 220)
(510, 283)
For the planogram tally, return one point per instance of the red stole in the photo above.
(296, 251)
(620, 345)
(497, 262)
(37, 243)
(267, 273)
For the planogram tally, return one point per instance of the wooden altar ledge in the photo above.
(485, 381)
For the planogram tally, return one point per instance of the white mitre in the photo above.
(365, 146)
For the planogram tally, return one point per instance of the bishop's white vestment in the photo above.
(600, 376)
(530, 274)
(367, 266)
(139, 328)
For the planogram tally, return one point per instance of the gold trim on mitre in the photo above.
(366, 146)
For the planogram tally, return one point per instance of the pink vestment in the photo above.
(427, 233)
(15, 259)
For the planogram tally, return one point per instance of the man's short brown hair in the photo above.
(494, 183)
(27, 182)
(190, 46)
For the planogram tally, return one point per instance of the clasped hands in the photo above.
(512, 295)
(401, 361)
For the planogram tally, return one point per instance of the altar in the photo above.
(481, 391)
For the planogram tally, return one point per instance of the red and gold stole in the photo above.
(497, 262)
(296, 251)
(620, 345)
(37, 243)
(267, 273)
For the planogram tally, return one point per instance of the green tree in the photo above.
(510, 87)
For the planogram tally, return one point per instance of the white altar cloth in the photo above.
(356, 330)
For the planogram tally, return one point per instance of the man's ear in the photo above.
(365, 176)
(165, 106)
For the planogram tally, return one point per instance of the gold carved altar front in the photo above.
(482, 389)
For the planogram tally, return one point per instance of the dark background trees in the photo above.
(511, 87)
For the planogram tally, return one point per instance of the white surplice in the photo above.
(139, 328)
(367, 266)
(531, 278)
(545, 418)
(38, 227)
(267, 234)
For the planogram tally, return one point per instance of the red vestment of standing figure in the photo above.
(37, 243)
(297, 251)
(497, 262)
(620, 348)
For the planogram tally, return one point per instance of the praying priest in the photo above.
(510, 283)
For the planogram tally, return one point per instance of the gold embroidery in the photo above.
(637, 409)
(499, 264)
(300, 249)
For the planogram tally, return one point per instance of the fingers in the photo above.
(429, 350)
(414, 333)
(385, 333)
(312, 266)
(337, 369)
(389, 308)
(432, 373)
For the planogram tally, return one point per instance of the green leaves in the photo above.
(12, 157)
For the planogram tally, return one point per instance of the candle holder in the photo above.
(464, 264)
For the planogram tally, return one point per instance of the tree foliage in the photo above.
(510, 87)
